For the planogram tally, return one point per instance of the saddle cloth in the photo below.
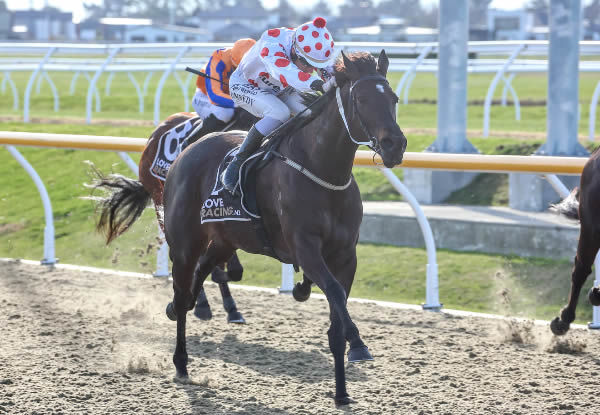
(169, 146)
(222, 205)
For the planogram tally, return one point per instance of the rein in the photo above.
(372, 143)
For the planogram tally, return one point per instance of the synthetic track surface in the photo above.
(79, 342)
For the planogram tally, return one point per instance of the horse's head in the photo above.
(370, 104)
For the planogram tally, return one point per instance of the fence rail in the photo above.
(171, 58)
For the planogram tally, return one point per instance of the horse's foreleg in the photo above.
(337, 345)
(586, 253)
(308, 253)
(233, 315)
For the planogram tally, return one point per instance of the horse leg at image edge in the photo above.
(587, 249)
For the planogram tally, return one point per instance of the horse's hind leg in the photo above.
(233, 315)
(202, 309)
(587, 249)
(301, 290)
(177, 310)
(187, 284)
(235, 270)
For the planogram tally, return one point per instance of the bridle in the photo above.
(373, 143)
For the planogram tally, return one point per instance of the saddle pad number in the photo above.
(169, 148)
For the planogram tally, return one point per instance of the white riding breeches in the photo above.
(205, 108)
(264, 103)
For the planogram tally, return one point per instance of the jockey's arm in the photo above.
(217, 89)
(280, 66)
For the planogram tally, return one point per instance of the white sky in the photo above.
(76, 6)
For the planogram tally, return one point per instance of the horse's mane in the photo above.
(364, 63)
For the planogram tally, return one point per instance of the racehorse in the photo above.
(311, 213)
(128, 198)
(583, 204)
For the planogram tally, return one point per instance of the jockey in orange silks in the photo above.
(211, 100)
(269, 77)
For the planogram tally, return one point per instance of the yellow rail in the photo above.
(82, 142)
(439, 161)
(478, 162)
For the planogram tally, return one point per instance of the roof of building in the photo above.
(38, 14)
(234, 13)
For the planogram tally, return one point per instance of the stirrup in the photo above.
(231, 190)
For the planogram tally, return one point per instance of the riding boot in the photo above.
(209, 125)
(251, 143)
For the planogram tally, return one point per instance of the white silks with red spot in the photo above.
(268, 65)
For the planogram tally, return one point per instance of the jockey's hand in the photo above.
(330, 84)
(317, 85)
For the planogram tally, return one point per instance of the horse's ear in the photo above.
(382, 63)
(348, 65)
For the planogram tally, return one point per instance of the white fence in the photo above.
(173, 58)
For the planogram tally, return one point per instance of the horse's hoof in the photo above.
(300, 293)
(203, 311)
(235, 275)
(559, 327)
(235, 317)
(219, 276)
(181, 374)
(358, 354)
(594, 296)
(171, 312)
(343, 400)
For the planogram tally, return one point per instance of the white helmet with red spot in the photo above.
(313, 42)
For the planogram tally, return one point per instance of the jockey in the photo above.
(269, 77)
(211, 100)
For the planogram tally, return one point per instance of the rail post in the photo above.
(92, 87)
(30, 83)
(49, 258)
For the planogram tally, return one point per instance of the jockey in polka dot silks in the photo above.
(212, 101)
(269, 77)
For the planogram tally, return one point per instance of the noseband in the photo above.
(372, 143)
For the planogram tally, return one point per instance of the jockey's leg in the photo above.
(261, 103)
(209, 125)
(251, 143)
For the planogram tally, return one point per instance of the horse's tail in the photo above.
(568, 207)
(125, 201)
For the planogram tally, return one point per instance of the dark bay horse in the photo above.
(583, 204)
(310, 222)
(128, 198)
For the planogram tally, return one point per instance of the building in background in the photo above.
(510, 24)
(48, 24)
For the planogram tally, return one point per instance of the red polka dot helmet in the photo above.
(314, 43)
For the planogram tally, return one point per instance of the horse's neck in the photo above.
(324, 148)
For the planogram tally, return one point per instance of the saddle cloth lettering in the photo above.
(222, 205)
(169, 147)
